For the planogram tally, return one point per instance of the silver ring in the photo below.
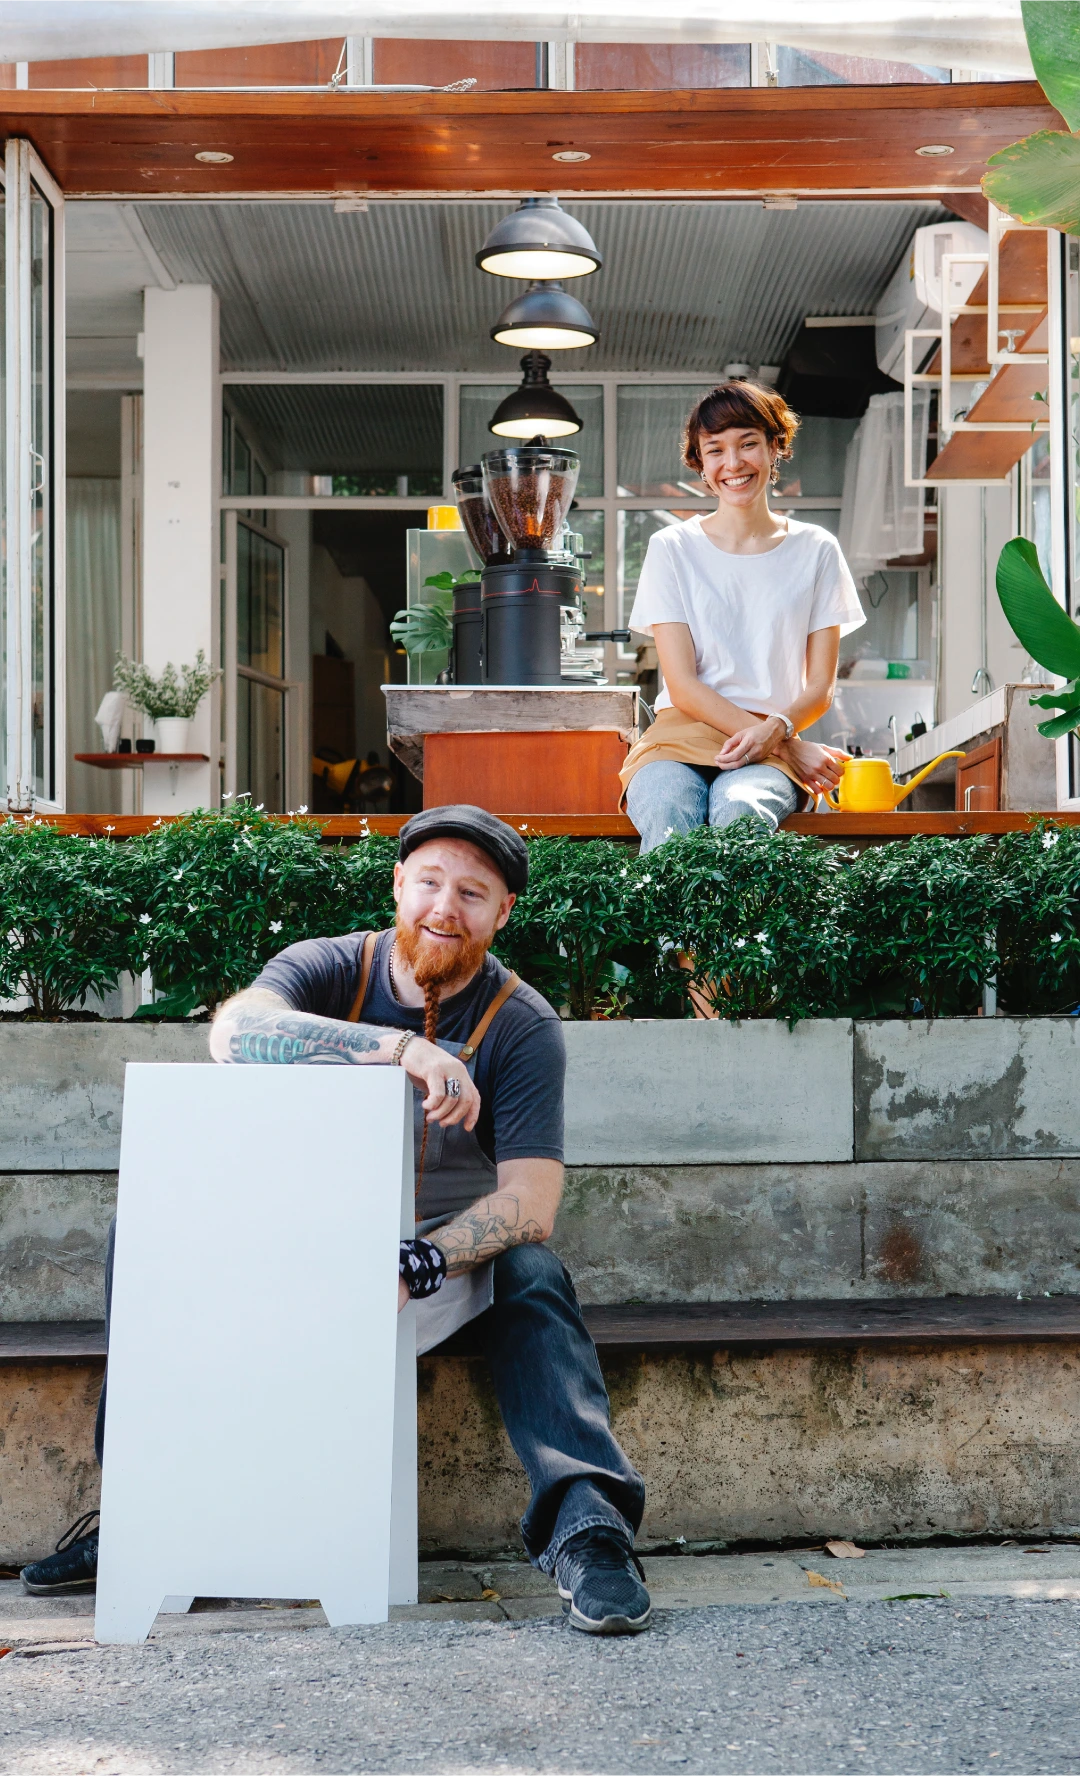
(452, 1088)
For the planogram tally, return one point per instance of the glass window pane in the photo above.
(241, 463)
(798, 67)
(260, 744)
(496, 67)
(260, 602)
(659, 67)
(312, 63)
(374, 438)
(634, 532)
(816, 463)
(1040, 499)
(590, 527)
(479, 401)
(651, 422)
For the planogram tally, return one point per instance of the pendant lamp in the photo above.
(546, 318)
(539, 240)
(535, 408)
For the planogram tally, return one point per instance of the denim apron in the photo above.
(457, 1172)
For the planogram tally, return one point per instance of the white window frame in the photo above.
(22, 171)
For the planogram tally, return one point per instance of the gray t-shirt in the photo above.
(520, 1065)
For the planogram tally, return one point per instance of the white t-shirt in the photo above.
(749, 615)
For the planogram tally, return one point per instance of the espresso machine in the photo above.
(532, 575)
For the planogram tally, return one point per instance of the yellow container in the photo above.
(867, 786)
(444, 518)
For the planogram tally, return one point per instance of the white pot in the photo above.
(171, 733)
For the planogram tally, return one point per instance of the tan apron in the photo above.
(681, 740)
(457, 1172)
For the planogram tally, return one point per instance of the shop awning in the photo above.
(985, 35)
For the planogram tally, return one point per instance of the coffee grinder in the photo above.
(529, 488)
(483, 531)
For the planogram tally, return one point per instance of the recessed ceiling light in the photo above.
(934, 150)
(213, 156)
(571, 154)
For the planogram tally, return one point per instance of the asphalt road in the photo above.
(977, 1684)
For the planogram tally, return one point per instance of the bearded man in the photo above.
(486, 1056)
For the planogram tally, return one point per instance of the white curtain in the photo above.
(982, 34)
(93, 632)
(881, 518)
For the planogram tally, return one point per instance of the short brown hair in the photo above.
(747, 404)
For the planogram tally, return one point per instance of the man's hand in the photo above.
(751, 744)
(431, 1067)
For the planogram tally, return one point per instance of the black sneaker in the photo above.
(600, 1582)
(72, 1568)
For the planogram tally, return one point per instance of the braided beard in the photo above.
(434, 966)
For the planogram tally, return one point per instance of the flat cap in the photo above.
(506, 849)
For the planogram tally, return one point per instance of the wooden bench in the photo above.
(727, 1325)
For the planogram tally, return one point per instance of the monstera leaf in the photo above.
(426, 628)
(1052, 29)
(1038, 180)
(1047, 633)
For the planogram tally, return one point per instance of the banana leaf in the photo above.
(1052, 29)
(1036, 618)
(1064, 699)
(1037, 180)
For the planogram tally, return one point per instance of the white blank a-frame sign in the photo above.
(260, 1434)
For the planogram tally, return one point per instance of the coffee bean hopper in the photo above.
(528, 490)
(482, 529)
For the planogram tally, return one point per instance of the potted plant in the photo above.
(170, 700)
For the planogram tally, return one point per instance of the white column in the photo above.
(181, 479)
(976, 522)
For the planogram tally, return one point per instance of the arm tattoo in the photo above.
(265, 1033)
(489, 1227)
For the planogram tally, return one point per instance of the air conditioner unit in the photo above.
(913, 295)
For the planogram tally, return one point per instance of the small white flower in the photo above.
(110, 829)
(259, 806)
(275, 924)
(646, 879)
(740, 943)
(1056, 938)
(761, 936)
(179, 876)
(227, 797)
(1050, 838)
(144, 918)
(624, 872)
(303, 808)
(191, 907)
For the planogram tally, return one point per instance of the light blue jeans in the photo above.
(666, 797)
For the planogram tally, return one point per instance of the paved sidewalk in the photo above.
(734, 1677)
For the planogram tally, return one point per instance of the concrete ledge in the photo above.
(797, 1232)
(650, 1092)
(967, 1088)
(53, 1228)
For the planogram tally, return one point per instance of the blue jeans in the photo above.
(554, 1405)
(552, 1398)
(667, 797)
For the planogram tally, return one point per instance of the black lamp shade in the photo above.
(539, 240)
(535, 409)
(546, 318)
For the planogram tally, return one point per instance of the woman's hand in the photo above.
(819, 767)
(439, 1073)
(751, 744)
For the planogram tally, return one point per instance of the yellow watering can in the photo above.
(867, 786)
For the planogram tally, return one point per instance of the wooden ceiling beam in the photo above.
(731, 140)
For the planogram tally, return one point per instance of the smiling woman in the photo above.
(746, 608)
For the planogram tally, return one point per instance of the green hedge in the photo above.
(776, 925)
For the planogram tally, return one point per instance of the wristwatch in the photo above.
(789, 725)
